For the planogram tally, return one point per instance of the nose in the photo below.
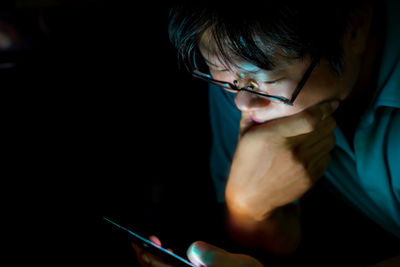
(246, 101)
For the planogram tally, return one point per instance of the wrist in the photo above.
(278, 233)
(247, 213)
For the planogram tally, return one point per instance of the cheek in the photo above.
(322, 85)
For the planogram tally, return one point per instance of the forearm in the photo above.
(279, 233)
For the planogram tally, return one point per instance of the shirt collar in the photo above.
(389, 75)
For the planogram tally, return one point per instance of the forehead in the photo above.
(210, 51)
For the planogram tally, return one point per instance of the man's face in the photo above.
(323, 84)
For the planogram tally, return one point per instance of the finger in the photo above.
(327, 108)
(147, 259)
(318, 167)
(316, 148)
(155, 261)
(303, 122)
(138, 250)
(246, 122)
(203, 254)
(140, 256)
(315, 143)
(325, 129)
(155, 240)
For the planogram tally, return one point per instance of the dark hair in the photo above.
(263, 34)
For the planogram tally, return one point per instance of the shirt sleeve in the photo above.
(224, 120)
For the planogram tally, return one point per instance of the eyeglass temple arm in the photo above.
(304, 80)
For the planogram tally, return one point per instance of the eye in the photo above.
(274, 81)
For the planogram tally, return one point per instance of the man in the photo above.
(290, 67)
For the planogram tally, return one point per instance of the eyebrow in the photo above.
(274, 71)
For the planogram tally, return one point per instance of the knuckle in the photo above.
(302, 166)
(307, 182)
(292, 155)
(325, 111)
(310, 121)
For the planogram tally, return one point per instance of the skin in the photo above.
(322, 85)
(278, 161)
(200, 254)
(282, 150)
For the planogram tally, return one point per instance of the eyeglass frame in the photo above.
(207, 77)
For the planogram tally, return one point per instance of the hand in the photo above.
(200, 254)
(276, 162)
(203, 254)
(147, 259)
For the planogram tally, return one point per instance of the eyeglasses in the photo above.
(288, 100)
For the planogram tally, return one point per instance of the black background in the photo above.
(100, 120)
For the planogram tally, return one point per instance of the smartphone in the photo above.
(154, 249)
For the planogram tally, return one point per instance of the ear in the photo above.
(360, 25)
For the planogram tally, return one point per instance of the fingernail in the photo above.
(334, 105)
(155, 240)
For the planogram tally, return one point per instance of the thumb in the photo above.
(203, 254)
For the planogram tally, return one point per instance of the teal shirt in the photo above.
(368, 175)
